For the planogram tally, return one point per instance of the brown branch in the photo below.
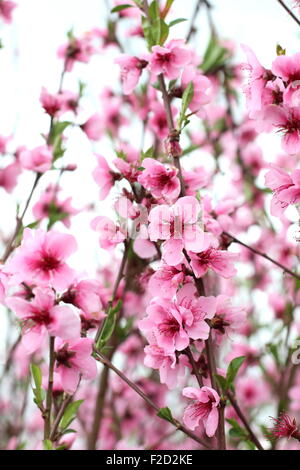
(59, 415)
(194, 366)
(10, 247)
(259, 253)
(244, 420)
(104, 377)
(100, 357)
(289, 12)
(47, 422)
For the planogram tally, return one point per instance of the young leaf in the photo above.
(165, 413)
(109, 326)
(233, 369)
(37, 375)
(148, 154)
(222, 382)
(154, 11)
(164, 32)
(121, 7)
(70, 414)
(174, 22)
(280, 50)
(186, 100)
(48, 445)
(38, 392)
(236, 430)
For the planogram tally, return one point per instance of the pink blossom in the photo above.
(94, 127)
(251, 392)
(161, 181)
(169, 59)
(294, 395)
(49, 205)
(56, 104)
(204, 408)
(42, 315)
(202, 89)
(286, 189)
(76, 50)
(6, 8)
(287, 67)
(220, 261)
(228, 318)
(104, 177)
(158, 121)
(179, 226)
(3, 282)
(166, 280)
(257, 82)
(284, 426)
(110, 234)
(38, 159)
(3, 144)
(9, 176)
(131, 70)
(144, 248)
(171, 369)
(87, 296)
(174, 323)
(51, 103)
(41, 259)
(287, 121)
(195, 180)
(74, 360)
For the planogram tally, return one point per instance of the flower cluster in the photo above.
(172, 283)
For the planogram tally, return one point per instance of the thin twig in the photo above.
(289, 12)
(177, 424)
(59, 415)
(244, 420)
(259, 253)
(47, 423)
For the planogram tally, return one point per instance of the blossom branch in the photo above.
(180, 427)
(259, 253)
(244, 420)
(47, 418)
(292, 15)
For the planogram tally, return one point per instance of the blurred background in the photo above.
(28, 62)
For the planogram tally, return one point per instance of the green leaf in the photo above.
(164, 32)
(174, 22)
(222, 382)
(108, 326)
(47, 444)
(57, 130)
(37, 375)
(55, 214)
(190, 149)
(121, 7)
(236, 430)
(215, 56)
(69, 431)
(280, 50)
(166, 414)
(70, 414)
(154, 11)
(148, 154)
(39, 394)
(233, 369)
(186, 100)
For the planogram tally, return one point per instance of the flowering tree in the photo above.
(189, 337)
